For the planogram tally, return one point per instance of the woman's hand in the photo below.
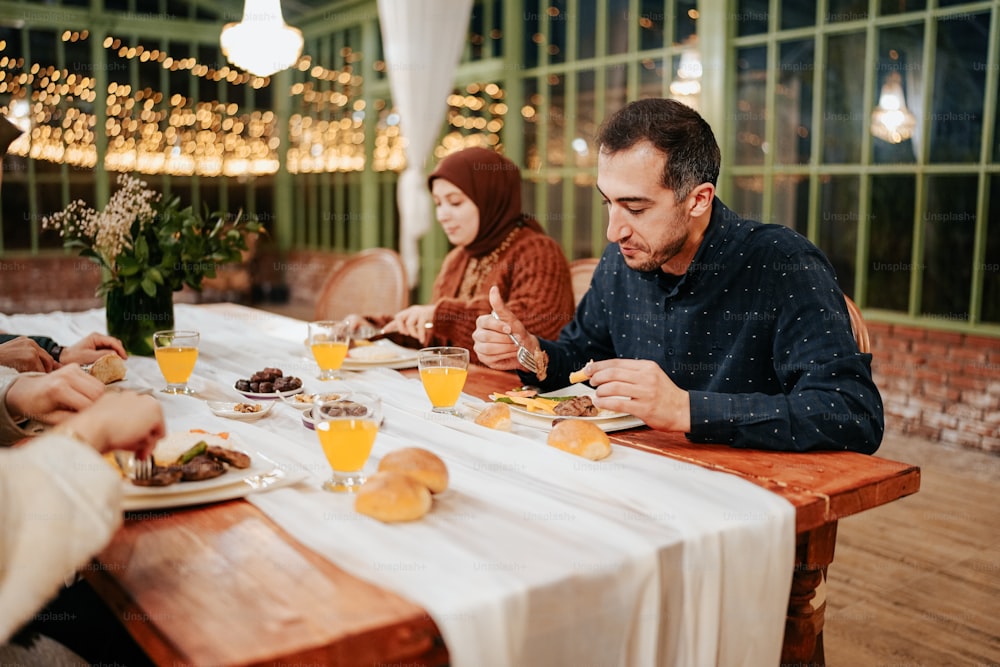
(25, 355)
(92, 348)
(120, 420)
(54, 397)
(415, 322)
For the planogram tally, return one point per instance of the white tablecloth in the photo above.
(533, 556)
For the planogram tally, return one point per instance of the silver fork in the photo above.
(142, 468)
(524, 356)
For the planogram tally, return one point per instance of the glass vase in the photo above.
(134, 318)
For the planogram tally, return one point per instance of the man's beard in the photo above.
(656, 260)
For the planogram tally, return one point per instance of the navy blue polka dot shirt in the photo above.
(756, 330)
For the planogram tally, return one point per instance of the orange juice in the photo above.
(328, 355)
(443, 384)
(176, 363)
(347, 443)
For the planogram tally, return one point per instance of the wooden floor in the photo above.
(917, 582)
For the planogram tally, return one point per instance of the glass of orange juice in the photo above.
(329, 340)
(346, 427)
(176, 353)
(443, 371)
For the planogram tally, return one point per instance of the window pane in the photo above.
(533, 39)
(586, 27)
(552, 219)
(686, 21)
(901, 6)
(957, 115)
(558, 24)
(949, 231)
(797, 14)
(991, 265)
(532, 100)
(652, 23)
(587, 121)
(556, 120)
(793, 105)
(751, 17)
(618, 26)
(615, 89)
(898, 83)
(839, 11)
(748, 197)
(842, 115)
(751, 114)
(651, 83)
(583, 220)
(891, 242)
(791, 202)
(838, 226)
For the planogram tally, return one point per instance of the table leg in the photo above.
(803, 643)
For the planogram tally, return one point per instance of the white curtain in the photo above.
(422, 42)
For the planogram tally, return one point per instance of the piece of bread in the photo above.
(578, 376)
(581, 438)
(109, 368)
(496, 415)
(420, 464)
(393, 496)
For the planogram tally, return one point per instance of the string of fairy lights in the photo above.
(158, 132)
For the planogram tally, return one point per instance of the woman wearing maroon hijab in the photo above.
(477, 197)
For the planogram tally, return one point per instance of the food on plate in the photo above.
(496, 415)
(268, 380)
(109, 368)
(578, 406)
(420, 464)
(530, 403)
(578, 376)
(247, 408)
(393, 496)
(372, 353)
(541, 363)
(314, 398)
(580, 438)
(191, 456)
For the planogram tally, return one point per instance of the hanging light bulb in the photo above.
(262, 43)
(891, 120)
(687, 86)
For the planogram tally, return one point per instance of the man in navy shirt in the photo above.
(697, 320)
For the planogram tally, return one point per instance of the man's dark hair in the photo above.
(693, 155)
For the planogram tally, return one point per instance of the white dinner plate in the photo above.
(608, 421)
(263, 473)
(381, 354)
(228, 410)
(257, 396)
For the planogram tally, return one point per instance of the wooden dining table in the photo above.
(223, 584)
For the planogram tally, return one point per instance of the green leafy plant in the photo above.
(143, 241)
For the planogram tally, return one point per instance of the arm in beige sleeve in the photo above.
(60, 503)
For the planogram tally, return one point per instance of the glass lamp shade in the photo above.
(891, 120)
(262, 43)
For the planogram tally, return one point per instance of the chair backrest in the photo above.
(580, 272)
(858, 326)
(371, 282)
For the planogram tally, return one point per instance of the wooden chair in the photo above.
(580, 272)
(371, 282)
(858, 326)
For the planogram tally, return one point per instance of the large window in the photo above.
(871, 128)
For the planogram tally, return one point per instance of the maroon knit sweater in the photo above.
(533, 278)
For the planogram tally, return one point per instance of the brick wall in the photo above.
(938, 385)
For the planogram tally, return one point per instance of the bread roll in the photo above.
(393, 496)
(420, 464)
(581, 438)
(109, 368)
(496, 415)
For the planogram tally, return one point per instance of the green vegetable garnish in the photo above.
(199, 448)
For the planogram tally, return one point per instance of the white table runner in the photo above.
(533, 556)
